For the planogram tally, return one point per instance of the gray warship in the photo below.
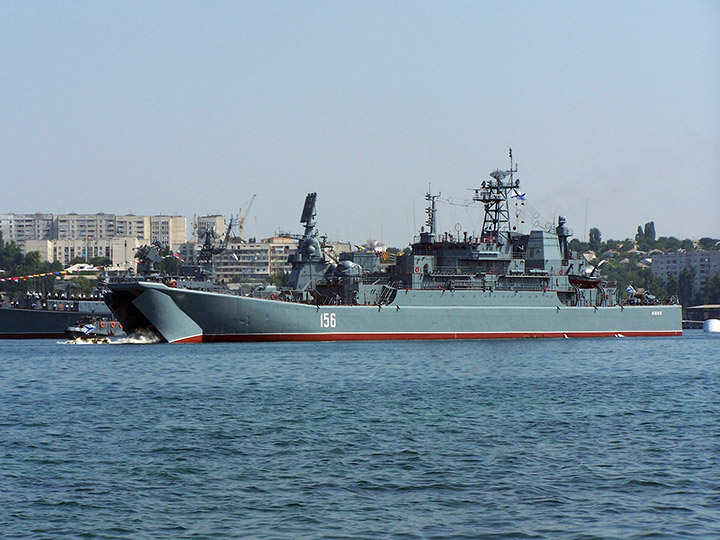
(496, 284)
(41, 317)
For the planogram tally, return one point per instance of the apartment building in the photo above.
(215, 223)
(705, 263)
(20, 227)
(85, 234)
(254, 261)
(120, 250)
(264, 259)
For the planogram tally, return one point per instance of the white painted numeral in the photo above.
(327, 320)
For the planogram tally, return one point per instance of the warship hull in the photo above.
(179, 315)
(29, 323)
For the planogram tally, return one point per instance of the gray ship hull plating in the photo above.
(193, 316)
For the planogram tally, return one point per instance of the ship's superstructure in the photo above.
(498, 283)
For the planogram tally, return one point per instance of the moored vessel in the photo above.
(497, 283)
(42, 317)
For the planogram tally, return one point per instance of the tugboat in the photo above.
(495, 284)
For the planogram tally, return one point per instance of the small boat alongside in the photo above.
(90, 327)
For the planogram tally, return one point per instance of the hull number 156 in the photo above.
(327, 320)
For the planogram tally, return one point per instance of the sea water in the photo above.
(574, 438)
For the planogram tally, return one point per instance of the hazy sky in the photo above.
(612, 110)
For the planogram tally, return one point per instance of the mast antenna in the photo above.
(494, 196)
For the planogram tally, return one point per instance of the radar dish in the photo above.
(498, 174)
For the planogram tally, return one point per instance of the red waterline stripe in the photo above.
(362, 336)
(198, 338)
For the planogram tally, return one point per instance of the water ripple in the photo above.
(570, 439)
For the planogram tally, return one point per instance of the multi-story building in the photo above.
(82, 226)
(169, 230)
(261, 260)
(705, 263)
(254, 261)
(20, 227)
(80, 233)
(131, 225)
(209, 223)
(120, 250)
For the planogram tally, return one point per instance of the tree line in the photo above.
(14, 263)
(623, 256)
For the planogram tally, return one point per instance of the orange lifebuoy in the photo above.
(172, 283)
(272, 296)
(112, 325)
(417, 269)
(440, 286)
(561, 272)
(102, 324)
(60, 306)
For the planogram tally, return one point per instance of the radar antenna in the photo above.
(431, 221)
(494, 196)
(308, 214)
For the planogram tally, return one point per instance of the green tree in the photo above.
(667, 244)
(686, 286)
(575, 245)
(595, 238)
(84, 284)
(612, 244)
(657, 286)
(645, 238)
(649, 232)
(711, 290)
(11, 257)
(278, 278)
(709, 244)
(100, 261)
